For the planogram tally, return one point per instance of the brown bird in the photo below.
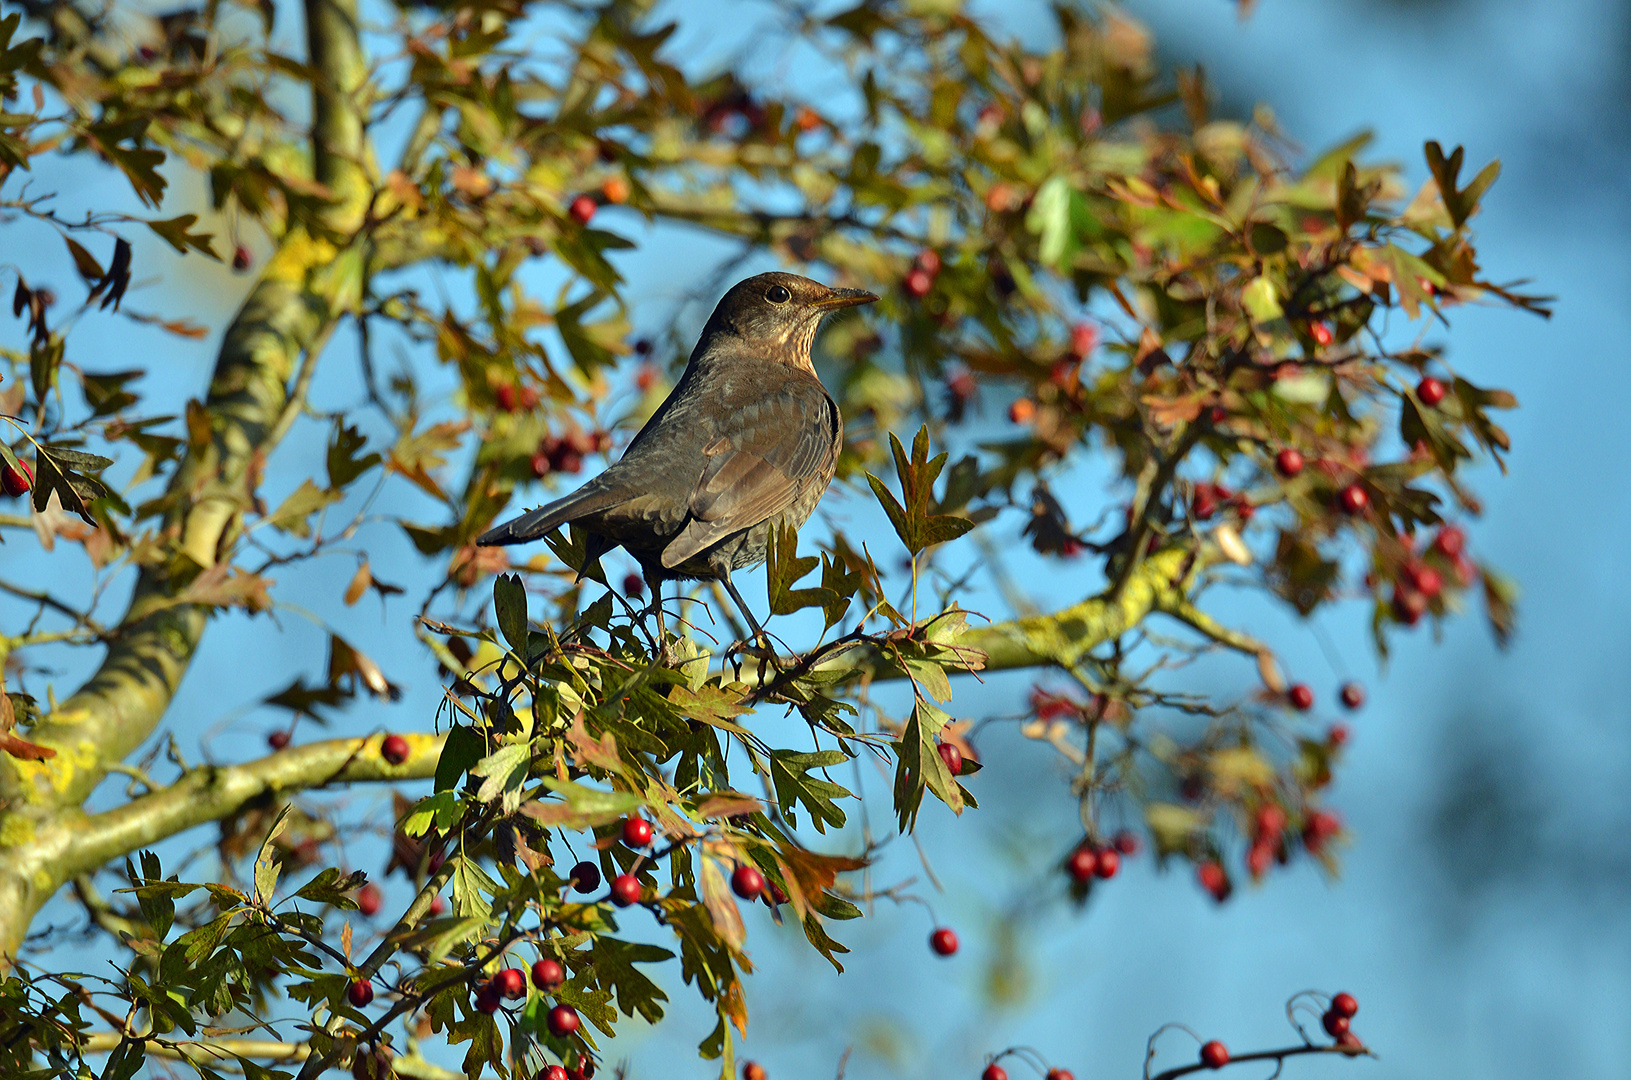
(746, 442)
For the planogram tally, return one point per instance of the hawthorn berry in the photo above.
(563, 1020)
(1334, 1023)
(1338, 735)
(747, 882)
(1288, 462)
(585, 877)
(752, 1070)
(438, 905)
(625, 890)
(1428, 581)
(943, 941)
(277, 740)
(1258, 858)
(394, 749)
(1084, 338)
(1350, 1042)
(777, 896)
(1409, 606)
(1022, 411)
(994, 1071)
(506, 398)
(1214, 1055)
(634, 585)
(1353, 499)
(1352, 695)
(487, 999)
(583, 209)
(241, 259)
(360, 992)
(547, 974)
(584, 1071)
(1345, 1004)
(1320, 827)
(16, 481)
(615, 189)
(554, 1072)
(1301, 697)
(928, 261)
(952, 756)
(636, 831)
(1109, 863)
(1125, 842)
(918, 283)
(510, 983)
(1271, 822)
(1059, 1074)
(369, 899)
(1321, 333)
(807, 119)
(1430, 390)
(1450, 542)
(1204, 503)
(1214, 879)
(1083, 863)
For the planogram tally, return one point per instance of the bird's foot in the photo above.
(751, 647)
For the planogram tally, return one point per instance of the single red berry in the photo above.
(16, 481)
(634, 585)
(952, 756)
(510, 983)
(943, 941)
(1334, 1023)
(529, 397)
(1288, 462)
(1345, 1005)
(583, 209)
(1428, 581)
(487, 999)
(1352, 695)
(1258, 858)
(625, 890)
(1204, 503)
(994, 1071)
(752, 1070)
(585, 877)
(1214, 1055)
(1301, 697)
(554, 1072)
(1338, 735)
(1060, 1074)
(636, 832)
(394, 749)
(918, 284)
(615, 189)
(563, 1021)
(584, 1071)
(777, 896)
(360, 992)
(1109, 863)
(1320, 827)
(438, 905)
(1125, 842)
(369, 899)
(1083, 863)
(1409, 606)
(541, 464)
(506, 397)
(928, 261)
(1321, 333)
(547, 974)
(1271, 822)
(1450, 542)
(747, 882)
(1213, 879)
(1350, 1042)
(1353, 499)
(1022, 411)
(1430, 390)
(1084, 338)
(241, 259)
(277, 740)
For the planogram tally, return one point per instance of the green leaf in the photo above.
(294, 513)
(783, 567)
(471, 888)
(1260, 301)
(510, 602)
(789, 773)
(916, 526)
(439, 811)
(175, 231)
(328, 887)
(463, 747)
(579, 806)
(505, 770)
(267, 863)
(344, 465)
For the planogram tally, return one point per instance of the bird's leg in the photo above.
(747, 613)
(654, 582)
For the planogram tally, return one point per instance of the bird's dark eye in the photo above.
(778, 294)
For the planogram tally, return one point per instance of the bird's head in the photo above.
(776, 315)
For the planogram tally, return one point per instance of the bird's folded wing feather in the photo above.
(764, 456)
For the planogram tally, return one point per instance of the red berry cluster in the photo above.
(1337, 1021)
(920, 278)
(1421, 577)
(1089, 860)
(1207, 498)
(1318, 829)
(565, 453)
(1268, 839)
(511, 398)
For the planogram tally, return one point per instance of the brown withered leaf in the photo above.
(22, 748)
(359, 585)
(727, 804)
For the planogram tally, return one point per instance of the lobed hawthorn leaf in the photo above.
(267, 863)
(176, 232)
(510, 605)
(328, 887)
(784, 567)
(344, 464)
(916, 526)
(789, 775)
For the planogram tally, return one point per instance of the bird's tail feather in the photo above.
(535, 523)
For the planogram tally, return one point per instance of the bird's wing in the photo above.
(768, 448)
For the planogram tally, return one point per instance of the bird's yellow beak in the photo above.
(843, 298)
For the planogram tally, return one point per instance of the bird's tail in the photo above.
(535, 523)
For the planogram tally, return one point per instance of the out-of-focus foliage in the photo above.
(1067, 236)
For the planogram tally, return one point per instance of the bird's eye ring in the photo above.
(778, 294)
